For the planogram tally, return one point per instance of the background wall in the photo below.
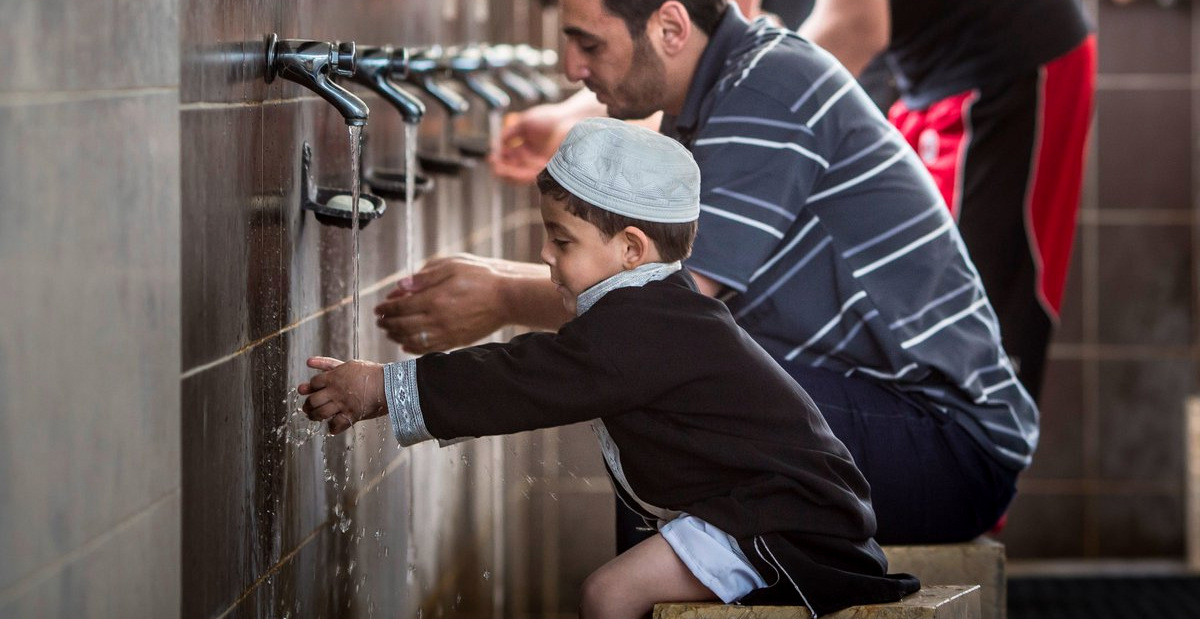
(89, 309)
(1108, 478)
(350, 525)
(161, 290)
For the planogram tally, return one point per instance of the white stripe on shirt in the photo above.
(753, 223)
(765, 144)
(943, 323)
(858, 179)
(828, 326)
(942, 229)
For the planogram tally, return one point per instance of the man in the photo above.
(996, 96)
(825, 236)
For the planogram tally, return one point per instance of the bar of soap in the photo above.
(345, 202)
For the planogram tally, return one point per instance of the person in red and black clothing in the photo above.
(996, 98)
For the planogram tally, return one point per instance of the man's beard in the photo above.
(640, 94)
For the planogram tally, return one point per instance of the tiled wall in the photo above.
(89, 309)
(471, 530)
(1107, 481)
(161, 290)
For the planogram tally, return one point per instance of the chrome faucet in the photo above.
(468, 66)
(424, 67)
(377, 66)
(310, 64)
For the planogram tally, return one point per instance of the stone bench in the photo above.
(931, 602)
(978, 562)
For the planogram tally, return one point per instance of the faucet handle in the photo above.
(341, 58)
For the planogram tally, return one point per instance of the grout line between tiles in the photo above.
(49, 569)
(274, 568)
(512, 221)
(51, 97)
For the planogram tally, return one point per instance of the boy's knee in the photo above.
(600, 595)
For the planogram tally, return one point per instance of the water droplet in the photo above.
(487, 575)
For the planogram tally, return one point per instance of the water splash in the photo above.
(297, 428)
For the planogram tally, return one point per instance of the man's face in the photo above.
(625, 73)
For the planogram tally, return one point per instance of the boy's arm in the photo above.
(539, 380)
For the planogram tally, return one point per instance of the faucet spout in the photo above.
(468, 65)
(376, 68)
(424, 67)
(310, 64)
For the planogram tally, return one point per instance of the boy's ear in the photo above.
(674, 26)
(638, 248)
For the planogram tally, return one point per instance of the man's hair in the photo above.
(674, 241)
(635, 13)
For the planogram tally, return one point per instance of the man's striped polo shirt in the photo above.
(834, 237)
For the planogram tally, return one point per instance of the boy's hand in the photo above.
(343, 393)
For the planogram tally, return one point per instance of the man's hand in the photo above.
(450, 302)
(343, 393)
(527, 142)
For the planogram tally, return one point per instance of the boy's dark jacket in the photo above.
(706, 423)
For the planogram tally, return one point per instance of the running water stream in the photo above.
(495, 122)
(355, 185)
(410, 181)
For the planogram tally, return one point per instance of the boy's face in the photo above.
(578, 254)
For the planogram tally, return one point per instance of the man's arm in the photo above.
(854, 31)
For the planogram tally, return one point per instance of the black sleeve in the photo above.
(538, 380)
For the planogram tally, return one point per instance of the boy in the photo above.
(755, 500)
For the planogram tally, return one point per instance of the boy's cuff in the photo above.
(404, 403)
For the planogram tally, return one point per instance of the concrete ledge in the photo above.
(977, 562)
(933, 602)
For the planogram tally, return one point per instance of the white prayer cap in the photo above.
(628, 170)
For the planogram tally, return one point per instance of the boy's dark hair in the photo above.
(635, 13)
(674, 241)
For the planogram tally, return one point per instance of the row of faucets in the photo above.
(517, 69)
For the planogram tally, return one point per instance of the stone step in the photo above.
(977, 562)
(933, 602)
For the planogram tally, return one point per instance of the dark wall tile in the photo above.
(1060, 450)
(1044, 526)
(1145, 289)
(100, 45)
(1141, 418)
(1144, 148)
(1139, 526)
(1144, 37)
(253, 491)
(222, 204)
